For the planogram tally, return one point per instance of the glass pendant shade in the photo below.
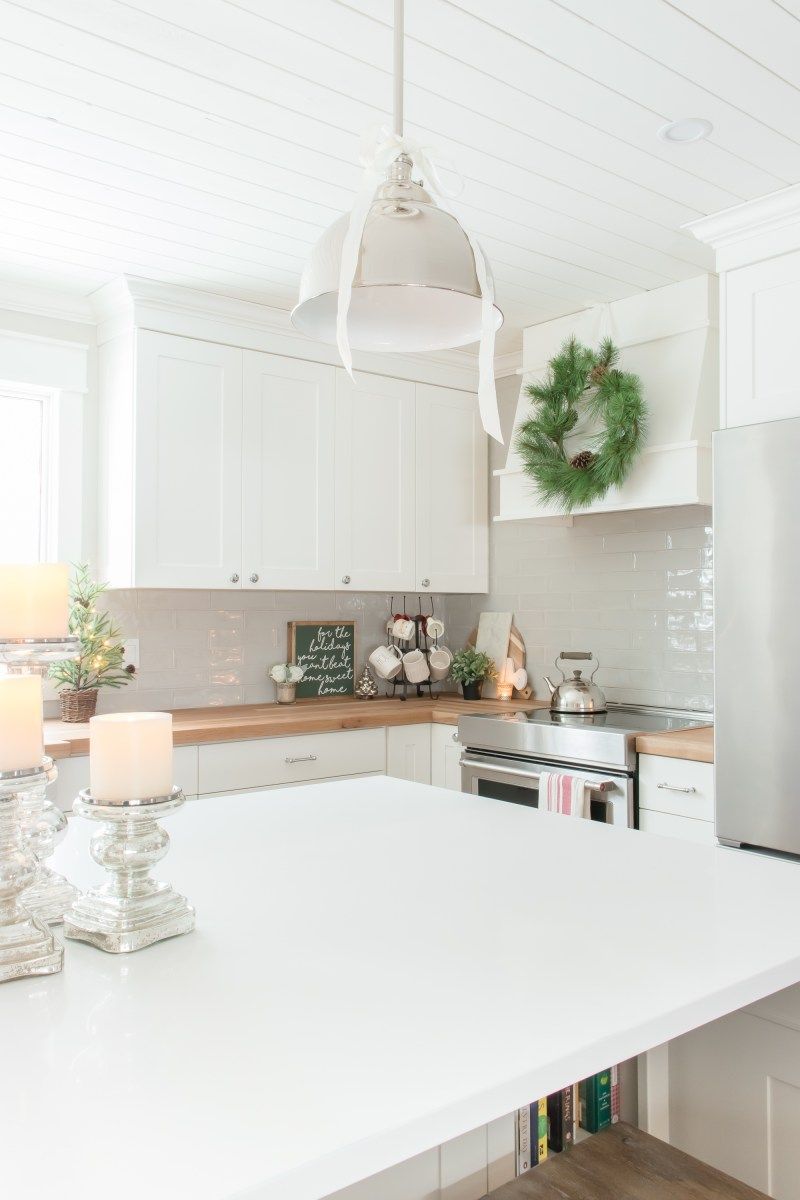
(415, 287)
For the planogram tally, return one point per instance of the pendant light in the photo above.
(399, 273)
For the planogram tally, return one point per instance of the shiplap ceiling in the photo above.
(209, 142)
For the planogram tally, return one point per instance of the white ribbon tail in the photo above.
(347, 269)
(487, 392)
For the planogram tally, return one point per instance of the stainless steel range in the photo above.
(505, 752)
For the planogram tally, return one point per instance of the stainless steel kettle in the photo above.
(575, 695)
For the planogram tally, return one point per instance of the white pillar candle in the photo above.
(33, 600)
(130, 756)
(21, 737)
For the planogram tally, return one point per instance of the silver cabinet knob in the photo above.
(234, 578)
(426, 583)
(455, 737)
(345, 579)
(254, 578)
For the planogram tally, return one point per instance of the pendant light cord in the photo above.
(398, 67)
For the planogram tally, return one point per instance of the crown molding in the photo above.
(45, 302)
(754, 230)
(130, 302)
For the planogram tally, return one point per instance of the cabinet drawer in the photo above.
(73, 775)
(684, 828)
(658, 775)
(236, 766)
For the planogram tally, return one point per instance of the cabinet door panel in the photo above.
(408, 752)
(287, 481)
(445, 757)
(188, 462)
(374, 482)
(762, 311)
(452, 496)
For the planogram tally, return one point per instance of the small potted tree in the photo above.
(469, 668)
(101, 658)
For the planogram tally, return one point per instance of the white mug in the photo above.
(387, 661)
(440, 660)
(434, 628)
(403, 629)
(415, 665)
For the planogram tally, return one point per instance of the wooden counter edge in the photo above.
(694, 745)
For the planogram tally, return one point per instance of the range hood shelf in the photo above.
(669, 338)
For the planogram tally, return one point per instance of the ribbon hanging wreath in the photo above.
(379, 149)
(582, 383)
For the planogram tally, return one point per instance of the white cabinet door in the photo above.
(445, 757)
(685, 828)
(408, 752)
(374, 483)
(762, 307)
(188, 450)
(735, 1096)
(452, 492)
(287, 477)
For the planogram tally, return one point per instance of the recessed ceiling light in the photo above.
(688, 129)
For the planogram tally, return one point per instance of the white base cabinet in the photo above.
(445, 757)
(735, 1094)
(408, 752)
(676, 798)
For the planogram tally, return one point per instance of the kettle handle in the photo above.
(578, 656)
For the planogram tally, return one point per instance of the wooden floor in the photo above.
(623, 1163)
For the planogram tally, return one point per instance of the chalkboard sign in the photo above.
(326, 650)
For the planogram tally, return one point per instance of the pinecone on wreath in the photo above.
(598, 374)
(582, 460)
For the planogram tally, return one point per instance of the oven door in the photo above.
(504, 777)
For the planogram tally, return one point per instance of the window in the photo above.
(25, 475)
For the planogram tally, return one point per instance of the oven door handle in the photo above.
(531, 777)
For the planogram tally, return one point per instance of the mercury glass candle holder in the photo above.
(27, 946)
(43, 827)
(131, 910)
(35, 656)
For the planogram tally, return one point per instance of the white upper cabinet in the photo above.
(287, 473)
(187, 434)
(452, 500)
(762, 305)
(374, 483)
(757, 250)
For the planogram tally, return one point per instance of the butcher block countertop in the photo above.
(695, 744)
(241, 721)
(238, 722)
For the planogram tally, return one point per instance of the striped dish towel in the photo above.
(567, 794)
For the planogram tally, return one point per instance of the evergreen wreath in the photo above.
(582, 383)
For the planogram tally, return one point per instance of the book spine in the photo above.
(523, 1139)
(614, 1095)
(560, 1118)
(541, 1129)
(595, 1101)
(568, 1116)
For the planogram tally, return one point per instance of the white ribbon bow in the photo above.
(378, 151)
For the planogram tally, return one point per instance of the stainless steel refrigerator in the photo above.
(757, 635)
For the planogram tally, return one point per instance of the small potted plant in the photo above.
(101, 653)
(469, 668)
(286, 677)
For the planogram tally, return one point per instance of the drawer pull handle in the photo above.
(669, 787)
(302, 758)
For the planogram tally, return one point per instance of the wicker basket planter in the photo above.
(77, 705)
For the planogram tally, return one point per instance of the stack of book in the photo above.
(550, 1124)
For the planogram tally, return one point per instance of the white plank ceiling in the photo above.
(209, 142)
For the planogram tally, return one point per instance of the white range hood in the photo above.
(669, 338)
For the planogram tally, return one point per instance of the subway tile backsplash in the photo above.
(199, 648)
(636, 588)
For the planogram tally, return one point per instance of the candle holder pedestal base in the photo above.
(132, 910)
(27, 947)
(43, 827)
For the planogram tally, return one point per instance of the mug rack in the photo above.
(420, 641)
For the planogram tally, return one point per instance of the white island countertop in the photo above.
(377, 967)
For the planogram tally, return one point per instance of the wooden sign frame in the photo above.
(293, 627)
